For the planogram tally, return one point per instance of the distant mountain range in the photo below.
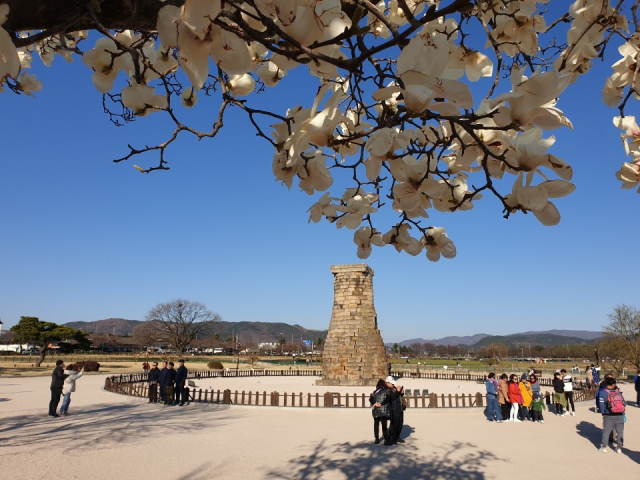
(247, 332)
(547, 338)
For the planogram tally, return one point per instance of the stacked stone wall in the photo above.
(354, 353)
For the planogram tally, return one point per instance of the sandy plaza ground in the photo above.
(109, 436)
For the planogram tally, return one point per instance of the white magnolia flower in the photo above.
(356, 205)
(399, 237)
(189, 97)
(9, 59)
(323, 208)
(229, 52)
(364, 237)
(314, 174)
(241, 85)
(270, 74)
(629, 175)
(471, 62)
(29, 83)
(106, 60)
(437, 243)
(142, 99)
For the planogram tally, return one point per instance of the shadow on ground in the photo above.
(365, 460)
(593, 433)
(110, 424)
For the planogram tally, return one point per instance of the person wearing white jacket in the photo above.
(568, 391)
(69, 387)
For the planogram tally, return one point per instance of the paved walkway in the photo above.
(110, 436)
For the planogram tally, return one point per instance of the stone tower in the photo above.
(354, 353)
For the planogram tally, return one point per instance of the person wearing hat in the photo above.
(181, 379)
(612, 417)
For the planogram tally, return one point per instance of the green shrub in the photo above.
(89, 366)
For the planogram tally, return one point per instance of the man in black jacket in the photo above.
(57, 382)
(162, 381)
(171, 380)
(181, 379)
(152, 378)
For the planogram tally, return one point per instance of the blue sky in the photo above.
(83, 239)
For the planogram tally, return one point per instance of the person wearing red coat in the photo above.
(515, 397)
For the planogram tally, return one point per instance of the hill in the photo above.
(547, 338)
(247, 332)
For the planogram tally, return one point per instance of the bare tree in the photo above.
(180, 322)
(147, 334)
(621, 344)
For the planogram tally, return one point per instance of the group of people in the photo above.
(171, 383)
(387, 403)
(63, 384)
(510, 399)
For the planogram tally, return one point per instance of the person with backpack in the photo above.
(611, 405)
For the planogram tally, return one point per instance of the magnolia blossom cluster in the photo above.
(404, 129)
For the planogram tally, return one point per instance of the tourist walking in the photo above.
(69, 387)
(57, 382)
(568, 392)
(537, 406)
(503, 397)
(527, 396)
(558, 394)
(611, 405)
(380, 400)
(493, 412)
(171, 381)
(152, 378)
(181, 379)
(162, 383)
(515, 397)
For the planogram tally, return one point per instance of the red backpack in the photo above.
(615, 402)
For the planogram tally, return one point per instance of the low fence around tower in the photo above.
(135, 385)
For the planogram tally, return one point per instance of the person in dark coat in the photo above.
(381, 411)
(57, 382)
(181, 379)
(397, 415)
(170, 385)
(162, 382)
(153, 377)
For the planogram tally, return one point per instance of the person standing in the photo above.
(611, 405)
(558, 394)
(381, 411)
(503, 397)
(589, 373)
(636, 382)
(397, 415)
(537, 406)
(493, 406)
(595, 372)
(515, 398)
(153, 377)
(69, 387)
(568, 391)
(162, 382)
(57, 382)
(171, 381)
(181, 379)
(527, 396)
(535, 386)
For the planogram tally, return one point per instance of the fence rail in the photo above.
(133, 385)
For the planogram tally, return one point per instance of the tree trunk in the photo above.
(72, 15)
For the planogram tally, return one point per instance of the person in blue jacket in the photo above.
(610, 420)
(493, 407)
